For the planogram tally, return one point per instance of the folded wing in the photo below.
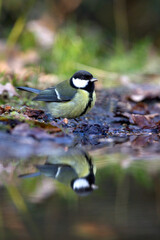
(61, 93)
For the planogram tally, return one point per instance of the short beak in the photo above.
(94, 79)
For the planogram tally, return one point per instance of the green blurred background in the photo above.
(106, 37)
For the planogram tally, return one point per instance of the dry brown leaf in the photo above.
(144, 92)
(2, 110)
(47, 126)
(33, 113)
(140, 108)
(144, 121)
(141, 141)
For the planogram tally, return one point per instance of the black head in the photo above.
(84, 75)
(83, 80)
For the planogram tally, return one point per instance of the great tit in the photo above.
(74, 168)
(69, 99)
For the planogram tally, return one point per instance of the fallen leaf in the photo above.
(34, 113)
(144, 92)
(140, 108)
(144, 121)
(7, 108)
(2, 110)
(47, 126)
(141, 141)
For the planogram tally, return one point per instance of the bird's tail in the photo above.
(28, 89)
(29, 175)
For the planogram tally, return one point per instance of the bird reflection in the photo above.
(74, 167)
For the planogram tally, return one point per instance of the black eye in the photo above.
(87, 76)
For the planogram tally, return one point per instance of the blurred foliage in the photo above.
(120, 167)
(27, 40)
(129, 20)
(88, 34)
(134, 60)
(11, 11)
(72, 47)
(90, 48)
(16, 31)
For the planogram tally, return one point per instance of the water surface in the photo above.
(38, 200)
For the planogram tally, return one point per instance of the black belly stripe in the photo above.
(88, 104)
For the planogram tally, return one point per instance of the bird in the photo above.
(69, 99)
(74, 168)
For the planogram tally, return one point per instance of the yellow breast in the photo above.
(73, 108)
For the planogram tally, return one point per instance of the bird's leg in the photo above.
(76, 120)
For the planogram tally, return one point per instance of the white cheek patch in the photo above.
(79, 83)
(80, 183)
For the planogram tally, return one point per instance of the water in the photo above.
(107, 191)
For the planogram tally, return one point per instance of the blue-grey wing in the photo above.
(61, 93)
